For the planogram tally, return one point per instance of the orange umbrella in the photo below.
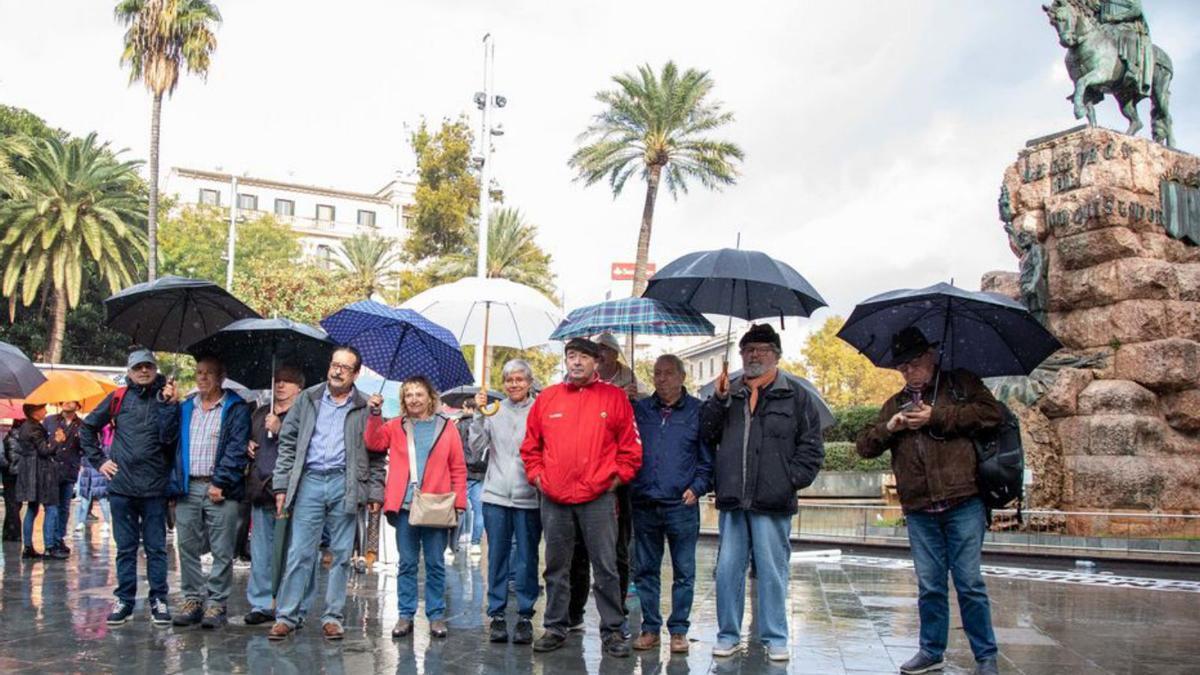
(65, 385)
(92, 402)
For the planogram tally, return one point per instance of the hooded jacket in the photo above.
(143, 440)
(497, 441)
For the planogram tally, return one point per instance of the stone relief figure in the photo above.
(1109, 52)
(1035, 285)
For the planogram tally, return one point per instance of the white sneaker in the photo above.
(720, 649)
(476, 550)
(79, 527)
(448, 556)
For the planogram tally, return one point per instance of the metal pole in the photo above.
(233, 206)
(485, 145)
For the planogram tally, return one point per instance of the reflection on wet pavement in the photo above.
(848, 616)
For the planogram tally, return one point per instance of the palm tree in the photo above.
(658, 124)
(160, 37)
(371, 261)
(513, 254)
(82, 203)
(11, 148)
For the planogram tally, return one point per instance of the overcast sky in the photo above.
(875, 133)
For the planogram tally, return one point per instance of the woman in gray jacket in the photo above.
(510, 504)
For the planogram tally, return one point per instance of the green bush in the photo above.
(840, 456)
(851, 421)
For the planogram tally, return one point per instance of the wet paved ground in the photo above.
(856, 615)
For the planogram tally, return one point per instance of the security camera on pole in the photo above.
(485, 101)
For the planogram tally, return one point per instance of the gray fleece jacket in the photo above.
(499, 438)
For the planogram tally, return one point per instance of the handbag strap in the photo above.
(412, 454)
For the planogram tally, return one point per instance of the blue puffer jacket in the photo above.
(141, 446)
(674, 457)
(229, 471)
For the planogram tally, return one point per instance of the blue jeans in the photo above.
(513, 536)
(49, 524)
(475, 509)
(65, 492)
(411, 541)
(679, 525)
(262, 553)
(951, 541)
(317, 506)
(766, 535)
(140, 520)
(85, 505)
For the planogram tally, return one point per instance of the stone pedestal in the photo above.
(1123, 433)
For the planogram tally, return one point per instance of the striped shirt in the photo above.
(203, 437)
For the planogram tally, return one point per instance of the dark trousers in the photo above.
(140, 521)
(597, 520)
(12, 508)
(580, 564)
(241, 544)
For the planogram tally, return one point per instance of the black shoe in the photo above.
(256, 617)
(188, 614)
(921, 663)
(30, 553)
(64, 548)
(575, 625)
(549, 642)
(58, 553)
(120, 613)
(498, 630)
(523, 634)
(214, 617)
(159, 614)
(615, 644)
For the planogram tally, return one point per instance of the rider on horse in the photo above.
(1133, 38)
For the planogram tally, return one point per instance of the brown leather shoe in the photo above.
(402, 628)
(332, 631)
(679, 643)
(437, 629)
(280, 631)
(646, 641)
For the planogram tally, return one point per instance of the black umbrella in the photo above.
(455, 397)
(18, 375)
(250, 350)
(170, 313)
(985, 333)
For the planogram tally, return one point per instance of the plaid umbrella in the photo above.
(399, 343)
(644, 316)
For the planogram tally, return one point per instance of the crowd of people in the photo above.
(607, 472)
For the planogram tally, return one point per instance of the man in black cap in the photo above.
(767, 435)
(928, 427)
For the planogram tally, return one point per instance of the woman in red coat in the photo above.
(440, 469)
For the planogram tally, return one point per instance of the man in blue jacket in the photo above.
(143, 422)
(208, 479)
(676, 471)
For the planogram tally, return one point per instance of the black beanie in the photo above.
(763, 333)
(584, 346)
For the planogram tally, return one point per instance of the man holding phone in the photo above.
(928, 427)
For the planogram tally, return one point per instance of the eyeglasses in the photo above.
(341, 368)
(144, 366)
(758, 351)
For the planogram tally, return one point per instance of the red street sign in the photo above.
(624, 271)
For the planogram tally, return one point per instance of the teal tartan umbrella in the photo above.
(640, 316)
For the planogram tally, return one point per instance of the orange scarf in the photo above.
(755, 383)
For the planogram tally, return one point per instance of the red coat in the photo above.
(445, 470)
(578, 438)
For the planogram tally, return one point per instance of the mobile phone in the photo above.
(907, 405)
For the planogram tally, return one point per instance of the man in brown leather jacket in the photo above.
(928, 427)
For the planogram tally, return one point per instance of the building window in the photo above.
(701, 370)
(711, 367)
(247, 202)
(285, 207)
(325, 212)
(366, 218)
(325, 256)
(210, 197)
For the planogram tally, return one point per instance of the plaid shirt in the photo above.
(205, 431)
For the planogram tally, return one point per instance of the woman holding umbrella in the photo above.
(37, 478)
(425, 460)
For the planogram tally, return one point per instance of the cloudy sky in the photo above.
(875, 132)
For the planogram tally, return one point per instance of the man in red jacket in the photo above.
(581, 442)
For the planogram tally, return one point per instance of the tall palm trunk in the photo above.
(643, 247)
(152, 224)
(58, 326)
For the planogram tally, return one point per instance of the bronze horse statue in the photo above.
(1097, 67)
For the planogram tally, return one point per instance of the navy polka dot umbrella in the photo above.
(400, 343)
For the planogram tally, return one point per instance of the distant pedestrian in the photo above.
(471, 527)
(37, 480)
(63, 429)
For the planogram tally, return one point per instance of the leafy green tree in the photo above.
(18, 130)
(844, 377)
(161, 38)
(302, 292)
(193, 242)
(12, 148)
(82, 203)
(370, 261)
(447, 194)
(513, 254)
(657, 124)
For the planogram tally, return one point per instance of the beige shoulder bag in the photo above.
(426, 510)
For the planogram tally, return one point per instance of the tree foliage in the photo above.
(302, 292)
(370, 260)
(842, 375)
(447, 194)
(513, 254)
(193, 241)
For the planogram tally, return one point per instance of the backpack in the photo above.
(114, 405)
(1000, 460)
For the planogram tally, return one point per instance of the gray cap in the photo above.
(141, 356)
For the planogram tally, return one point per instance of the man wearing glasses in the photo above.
(767, 435)
(323, 476)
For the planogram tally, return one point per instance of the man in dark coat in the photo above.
(928, 426)
(37, 479)
(138, 466)
(63, 429)
(768, 436)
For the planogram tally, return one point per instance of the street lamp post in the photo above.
(233, 208)
(485, 101)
